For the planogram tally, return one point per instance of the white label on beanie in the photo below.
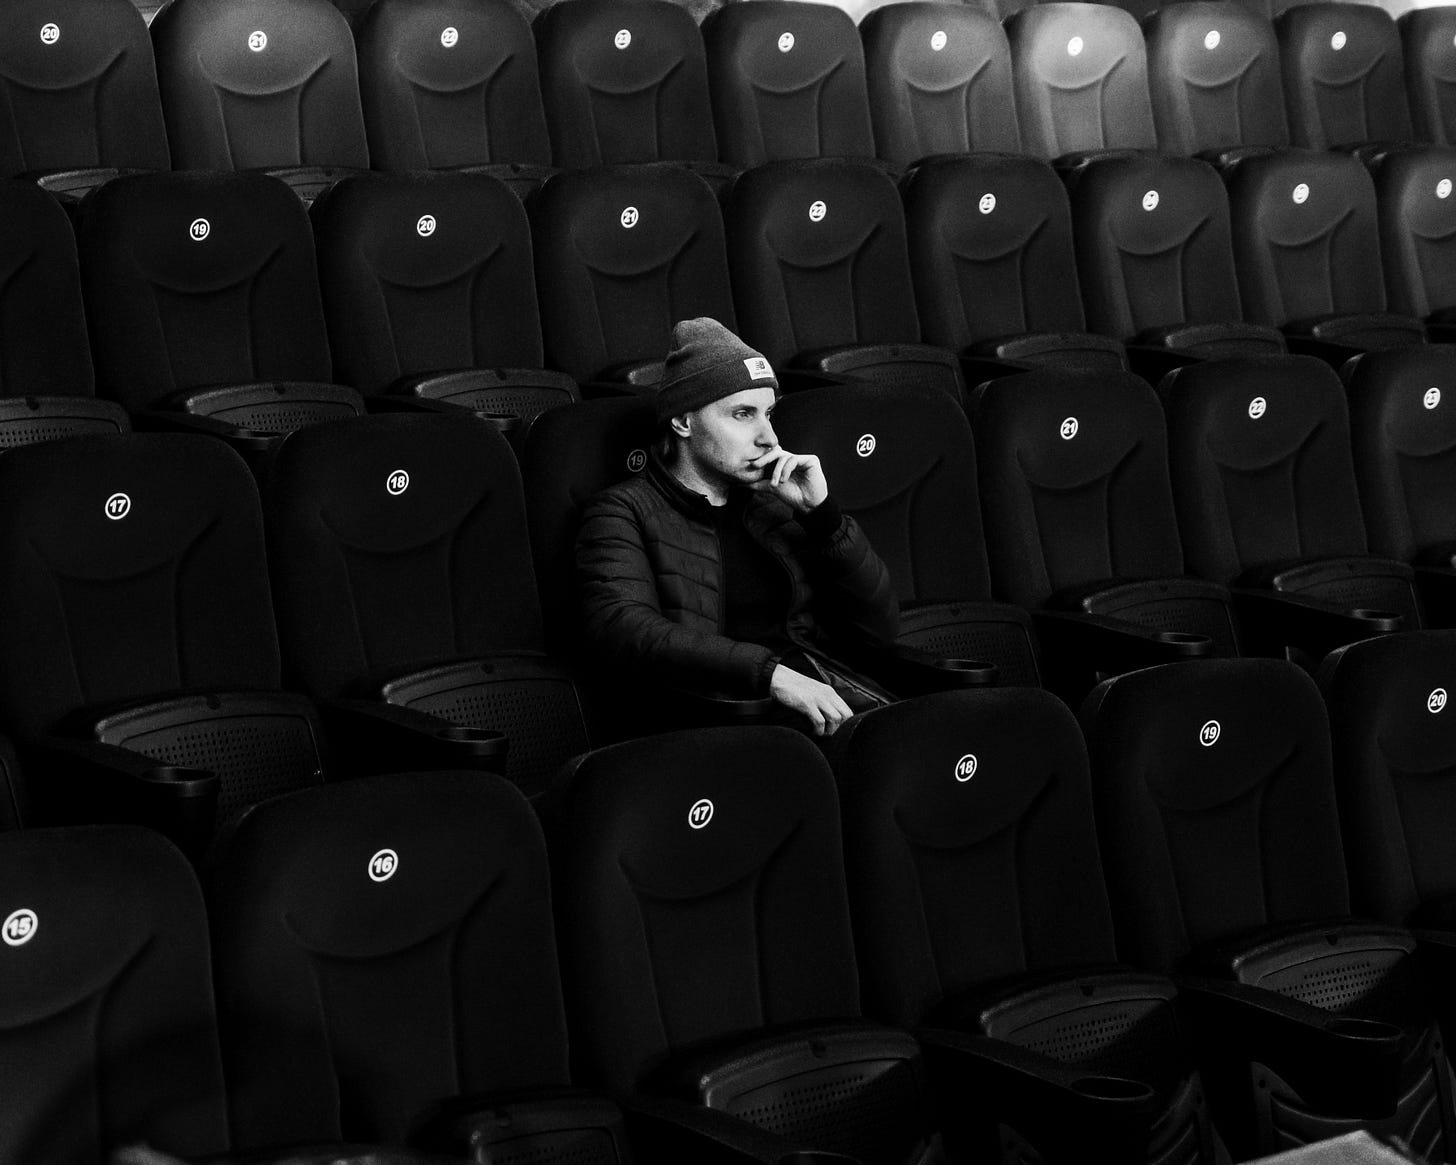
(758, 367)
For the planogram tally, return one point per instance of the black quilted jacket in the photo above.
(650, 575)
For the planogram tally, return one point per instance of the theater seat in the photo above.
(959, 927)
(787, 80)
(80, 94)
(705, 942)
(1428, 50)
(994, 266)
(622, 254)
(46, 380)
(1259, 452)
(261, 84)
(1414, 206)
(429, 290)
(939, 81)
(821, 275)
(107, 1028)
(1216, 811)
(202, 299)
(402, 574)
(901, 460)
(452, 84)
(1215, 80)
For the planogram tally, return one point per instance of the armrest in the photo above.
(249, 442)
(638, 373)
(1115, 645)
(1345, 1065)
(375, 737)
(70, 186)
(1206, 341)
(674, 1131)
(1152, 362)
(896, 363)
(716, 708)
(477, 1127)
(1310, 624)
(490, 391)
(86, 780)
(911, 671)
(1074, 349)
(1060, 1109)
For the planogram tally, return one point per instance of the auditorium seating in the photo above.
(1428, 38)
(1418, 234)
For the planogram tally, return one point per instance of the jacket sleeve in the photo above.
(622, 619)
(852, 588)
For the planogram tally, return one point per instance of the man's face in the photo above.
(725, 438)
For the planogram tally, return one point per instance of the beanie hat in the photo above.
(706, 363)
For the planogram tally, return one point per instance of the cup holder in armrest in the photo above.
(475, 735)
(479, 743)
(1113, 1088)
(187, 781)
(1350, 1028)
(1185, 643)
(507, 423)
(1378, 619)
(971, 671)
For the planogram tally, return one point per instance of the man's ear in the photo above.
(682, 426)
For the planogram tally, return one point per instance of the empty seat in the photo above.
(202, 296)
(994, 265)
(46, 381)
(107, 1029)
(1403, 428)
(624, 81)
(80, 92)
(706, 948)
(1259, 452)
(1344, 84)
(385, 946)
(1216, 810)
(1081, 79)
(1155, 253)
(141, 656)
(261, 84)
(1080, 524)
(939, 78)
(1428, 49)
(956, 928)
(622, 254)
(450, 83)
(901, 460)
(1307, 250)
(1417, 218)
(821, 273)
(787, 80)
(402, 574)
(1213, 71)
(429, 289)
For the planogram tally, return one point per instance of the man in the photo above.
(721, 565)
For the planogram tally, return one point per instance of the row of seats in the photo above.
(446, 83)
(428, 285)
(408, 592)
(733, 934)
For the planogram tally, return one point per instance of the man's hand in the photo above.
(818, 701)
(796, 478)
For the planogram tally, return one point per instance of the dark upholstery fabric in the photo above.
(172, 595)
(1081, 79)
(622, 254)
(425, 273)
(1395, 752)
(803, 281)
(82, 95)
(939, 81)
(1074, 483)
(107, 1029)
(1213, 71)
(1154, 245)
(372, 579)
(969, 846)
(991, 250)
(787, 81)
(252, 83)
(449, 83)
(1418, 228)
(681, 923)
(624, 82)
(1426, 36)
(42, 321)
(381, 944)
(194, 280)
(1208, 834)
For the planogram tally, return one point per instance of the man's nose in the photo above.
(766, 436)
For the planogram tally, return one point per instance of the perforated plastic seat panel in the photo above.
(28, 420)
(259, 744)
(971, 631)
(534, 704)
(275, 407)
